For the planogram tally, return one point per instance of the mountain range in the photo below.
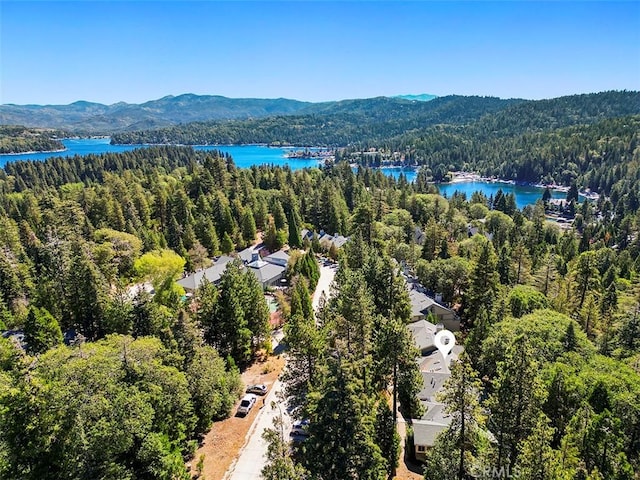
(90, 117)
(253, 119)
(121, 116)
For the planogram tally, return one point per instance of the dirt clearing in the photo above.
(225, 439)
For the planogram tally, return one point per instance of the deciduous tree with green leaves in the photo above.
(162, 268)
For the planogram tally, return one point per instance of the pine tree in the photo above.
(354, 313)
(562, 401)
(588, 314)
(188, 336)
(572, 194)
(301, 303)
(271, 236)
(256, 313)
(515, 402)
(280, 465)
(248, 227)
(482, 284)
(461, 395)
(6, 318)
(310, 269)
(295, 241)
(432, 233)
(41, 331)
(386, 435)
(307, 343)
(570, 342)
(538, 460)
(444, 249)
(341, 443)
(223, 317)
(147, 318)
(279, 217)
(504, 266)
(478, 334)
(586, 276)
(227, 244)
(85, 292)
(362, 221)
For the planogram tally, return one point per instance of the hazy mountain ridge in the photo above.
(404, 111)
(121, 116)
(91, 117)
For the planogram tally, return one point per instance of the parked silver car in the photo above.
(247, 403)
(299, 428)
(260, 389)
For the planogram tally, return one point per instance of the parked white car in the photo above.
(247, 403)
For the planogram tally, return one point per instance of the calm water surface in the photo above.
(525, 194)
(246, 156)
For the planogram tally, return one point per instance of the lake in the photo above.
(525, 194)
(246, 156)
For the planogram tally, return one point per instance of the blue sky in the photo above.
(60, 52)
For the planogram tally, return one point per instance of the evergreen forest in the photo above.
(118, 383)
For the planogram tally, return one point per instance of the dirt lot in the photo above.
(226, 438)
(403, 473)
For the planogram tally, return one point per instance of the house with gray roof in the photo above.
(434, 369)
(249, 254)
(268, 274)
(16, 337)
(326, 240)
(425, 433)
(278, 258)
(435, 372)
(423, 334)
(339, 240)
(423, 306)
(212, 274)
(418, 236)
(306, 234)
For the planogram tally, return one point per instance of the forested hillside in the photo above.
(551, 322)
(451, 123)
(330, 124)
(19, 139)
(592, 156)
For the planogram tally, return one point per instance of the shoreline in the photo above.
(35, 152)
(214, 145)
(458, 177)
(470, 177)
